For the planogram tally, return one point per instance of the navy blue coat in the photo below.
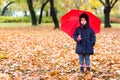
(86, 45)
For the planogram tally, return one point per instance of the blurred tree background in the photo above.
(49, 11)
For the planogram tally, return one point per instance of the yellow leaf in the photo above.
(3, 56)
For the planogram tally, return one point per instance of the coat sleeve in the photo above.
(93, 38)
(75, 34)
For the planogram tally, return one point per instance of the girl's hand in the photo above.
(79, 38)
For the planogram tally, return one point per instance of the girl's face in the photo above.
(83, 21)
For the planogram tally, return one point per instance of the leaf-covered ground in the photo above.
(47, 54)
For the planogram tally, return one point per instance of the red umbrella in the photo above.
(70, 21)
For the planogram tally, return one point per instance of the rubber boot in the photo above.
(88, 69)
(82, 69)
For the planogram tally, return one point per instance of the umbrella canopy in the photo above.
(70, 21)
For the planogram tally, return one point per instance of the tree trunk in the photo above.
(42, 8)
(108, 5)
(107, 17)
(25, 13)
(47, 13)
(53, 13)
(5, 8)
(32, 12)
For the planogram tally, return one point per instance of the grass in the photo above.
(13, 25)
(16, 25)
(114, 25)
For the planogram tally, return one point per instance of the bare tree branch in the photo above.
(4, 9)
(113, 3)
(41, 11)
(102, 2)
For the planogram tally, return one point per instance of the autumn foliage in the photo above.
(47, 54)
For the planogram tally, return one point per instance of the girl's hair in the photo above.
(84, 15)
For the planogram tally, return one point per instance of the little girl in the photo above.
(85, 40)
